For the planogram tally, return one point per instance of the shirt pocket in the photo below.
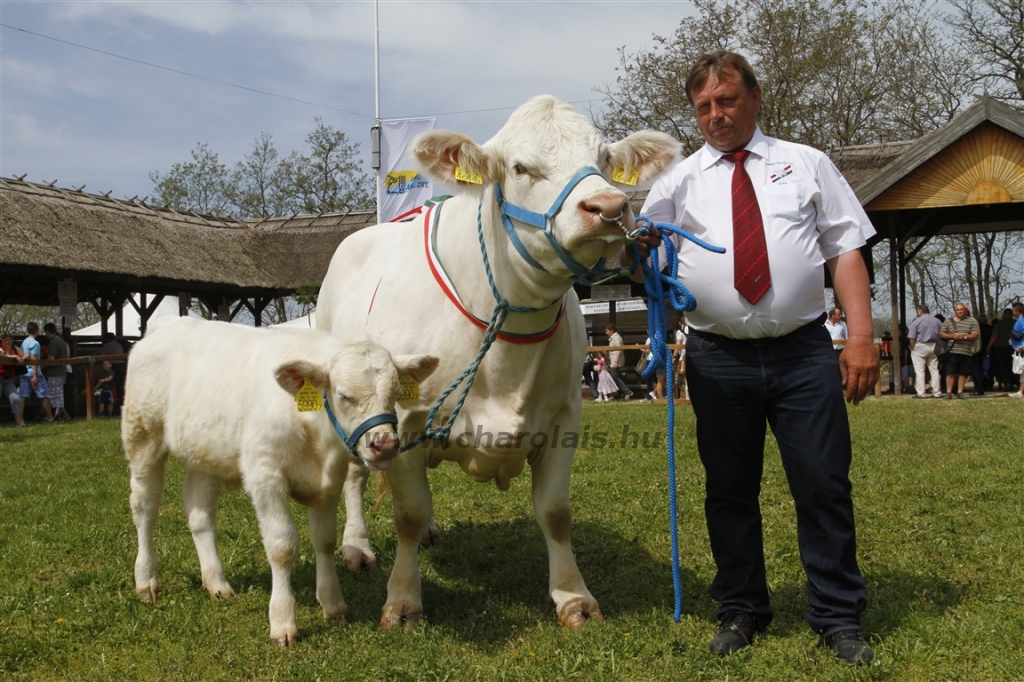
(784, 201)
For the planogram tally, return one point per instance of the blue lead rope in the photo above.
(661, 355)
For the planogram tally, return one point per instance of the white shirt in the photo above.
(837, 331)
(810, 215)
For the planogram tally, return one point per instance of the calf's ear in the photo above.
(419, 367)
(292, 375)
(454, 159)
(648, 152)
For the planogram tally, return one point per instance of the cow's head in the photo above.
(360, 381)
(533, 158)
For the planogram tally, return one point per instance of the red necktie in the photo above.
(750, 253)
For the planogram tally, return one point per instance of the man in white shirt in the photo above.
(836, 328)
(758, 352)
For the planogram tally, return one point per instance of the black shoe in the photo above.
(977, 392)
(961, 396)
(947, 396)
(850, 646)
(736, 632)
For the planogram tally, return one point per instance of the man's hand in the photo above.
(858, 367)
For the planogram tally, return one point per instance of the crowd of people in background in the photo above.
(26, 382)
(945, 352)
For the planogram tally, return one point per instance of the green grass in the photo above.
(938, 490)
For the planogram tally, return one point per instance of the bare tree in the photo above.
(993, 32)
(833, 72)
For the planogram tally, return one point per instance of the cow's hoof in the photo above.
(284, 637)
(147, 593)
(404, 616)
(220, 591)
(575, 613)
(358, 558)
(338, 614)
(431, 536)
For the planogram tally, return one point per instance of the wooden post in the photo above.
(88, 390)
(894, 278)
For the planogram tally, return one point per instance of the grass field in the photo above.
(938, 490)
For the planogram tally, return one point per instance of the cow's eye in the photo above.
(342, 397)
(520, 169)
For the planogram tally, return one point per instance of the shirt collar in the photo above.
(758, 146)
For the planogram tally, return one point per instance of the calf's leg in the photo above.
(355, 543)
(323, 531)
(281, 542)
(146, 462)
(200, 495)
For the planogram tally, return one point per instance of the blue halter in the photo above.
(353, 440)
(544, 222)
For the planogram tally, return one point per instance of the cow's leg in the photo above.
(200, 496)
(281, 542)
(355, 543)
(574, 603)
(323, 531)
(408, 480)
(146, 462)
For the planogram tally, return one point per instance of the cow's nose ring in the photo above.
(617, 220)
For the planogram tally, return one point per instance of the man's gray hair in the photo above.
(923, 307)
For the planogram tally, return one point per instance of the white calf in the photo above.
(221, 397)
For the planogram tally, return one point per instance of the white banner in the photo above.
(403, 187)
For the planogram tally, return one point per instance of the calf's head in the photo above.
(534, 157)
(360, 382)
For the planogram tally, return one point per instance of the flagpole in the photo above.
(376, 85)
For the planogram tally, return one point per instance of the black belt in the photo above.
(709, 336)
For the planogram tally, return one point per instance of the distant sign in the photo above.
(67, 293)
(630, 305)
(610, 292)
(594, 308)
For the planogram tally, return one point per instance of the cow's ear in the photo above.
(292, 375)
(648, 152)
(419, 367)
(454, 159)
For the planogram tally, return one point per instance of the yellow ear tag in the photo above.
(619, 176)
(410, 390)
(468, 176)
(308, 399)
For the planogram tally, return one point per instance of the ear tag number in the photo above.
(619, 176)
(308, 399)
(468, 176)
(410, 390)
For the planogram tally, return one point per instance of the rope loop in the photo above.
(657, 284)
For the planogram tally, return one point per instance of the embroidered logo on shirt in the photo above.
(788, 170)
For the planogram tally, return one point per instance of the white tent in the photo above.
(169, 306)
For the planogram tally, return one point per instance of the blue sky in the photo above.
(86, 118)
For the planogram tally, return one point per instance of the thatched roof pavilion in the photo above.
(111, 247)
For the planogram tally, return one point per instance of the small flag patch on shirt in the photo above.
(775, 177)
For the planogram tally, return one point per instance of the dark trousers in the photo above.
(791, 384)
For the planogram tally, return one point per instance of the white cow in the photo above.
(221, 397)
(422, 287)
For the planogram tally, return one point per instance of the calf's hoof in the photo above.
(357, 558)
(575, 613)
(401, 614)
(431, 536)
